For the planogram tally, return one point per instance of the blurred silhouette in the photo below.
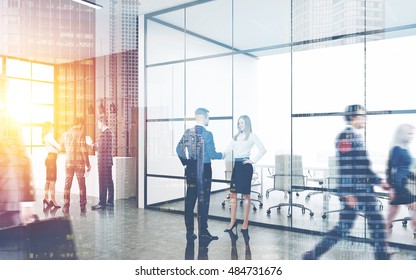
(16, 185)
(355, 188)
(399, 174)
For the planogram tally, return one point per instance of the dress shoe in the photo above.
(207, 236)
(190, 236)
(97, 207)
(309, 255)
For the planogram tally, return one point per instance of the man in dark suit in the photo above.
(104, 149)
(355, 181)
(196, 149)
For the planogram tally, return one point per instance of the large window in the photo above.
(293, 67)
(28, 97)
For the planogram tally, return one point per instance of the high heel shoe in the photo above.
(231, 228)
(53, 205)
(45, 203)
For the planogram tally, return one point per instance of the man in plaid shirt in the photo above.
(73, 141)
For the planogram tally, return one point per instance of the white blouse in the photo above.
(241, 148)
(50, 143)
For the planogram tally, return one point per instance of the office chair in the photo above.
(317, 177)
(255, 181)
(288, 172)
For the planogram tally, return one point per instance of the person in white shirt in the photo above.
(52, 147)
(240, 150)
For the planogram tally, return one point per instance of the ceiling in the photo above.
(150, 6)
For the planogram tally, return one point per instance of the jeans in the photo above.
(69, 173)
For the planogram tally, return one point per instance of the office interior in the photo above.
(291, 66)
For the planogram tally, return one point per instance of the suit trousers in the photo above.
(200, 192)
(367, 204)
(106, 184)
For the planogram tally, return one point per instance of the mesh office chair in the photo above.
(255, 181)
(288, 173)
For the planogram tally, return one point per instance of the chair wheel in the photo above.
(324, 216)
(303, 210)
(297, 194)
(260, 205)
(223, 204)
(241, 202)
(268, 212)
(311, 214)
(404, 223)
(278, 208)
(307, 198)
(254, 208)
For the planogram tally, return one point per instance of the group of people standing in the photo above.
(195, 150)
(355, 179)
(77, 162)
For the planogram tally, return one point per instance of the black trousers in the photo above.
(106, 184)
(201, 192)
(367, 204)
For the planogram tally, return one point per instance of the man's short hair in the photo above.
(351, 111)
(103, 120)
(201, 111)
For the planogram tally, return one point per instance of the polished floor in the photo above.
(129, 233)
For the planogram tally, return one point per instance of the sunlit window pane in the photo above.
(19, 112)
(17, 68)
(42, 93)
(42, 113)
(42, 72)
(26, 133)
(17, 90)
(37, 135)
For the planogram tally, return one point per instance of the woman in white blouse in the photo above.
(240, 149)
(52, 147)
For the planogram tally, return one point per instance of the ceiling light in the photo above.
(89, 4)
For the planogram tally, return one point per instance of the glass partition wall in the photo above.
(293, 67)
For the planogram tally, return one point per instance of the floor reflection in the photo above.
(234, 251)
(203, 245)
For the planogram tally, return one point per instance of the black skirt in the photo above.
(50, 164)
(403, 198)
(241, 177)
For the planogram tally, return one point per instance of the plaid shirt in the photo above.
(73, 141)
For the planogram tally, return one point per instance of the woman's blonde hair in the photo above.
(247, 129)
(400, 135)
